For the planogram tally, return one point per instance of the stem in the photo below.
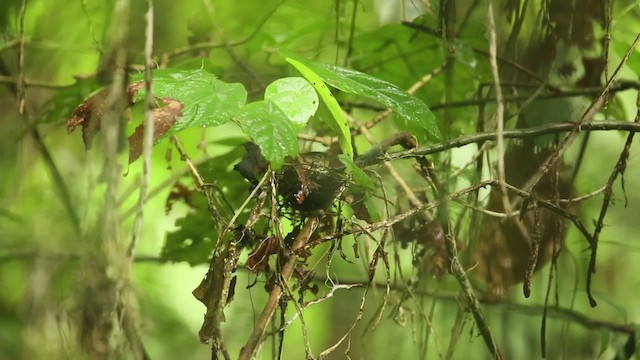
(287, 271)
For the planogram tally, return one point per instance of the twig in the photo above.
(618, 169)
(33, 83)
(524, 309)
(191, 165)
(456, 269)
(499, 114)
(596, 104)
(212, 45)
(508, 134)
(510, 63)
(618, 86)
(329, 295)
(288, 268)
(20, 90)
(147, 143)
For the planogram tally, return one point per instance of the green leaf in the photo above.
(372, 209)
(66, 100)
(354, 82)
(361, 178)
(339, 123)
(271, 129)
(295, 97)
(207, 100)
(358, 175)
(636, 328)
(605, 338)
(195, 238)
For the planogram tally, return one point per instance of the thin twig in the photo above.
(499, 114)
(618, 86)
(415, 87)
(147, 143)
(214, 45)
(524, 309)
(288, 268)
(591, 111)
(508, 134)
(618, 170)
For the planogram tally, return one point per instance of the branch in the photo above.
(508, 134)
(524, 309)
(619, 169)
(214, 45)
(289, 266)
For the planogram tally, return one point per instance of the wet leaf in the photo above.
(192, 98)
(354, 82)
(207, 100)
(339, 124)
(295, 97)
(271, 129)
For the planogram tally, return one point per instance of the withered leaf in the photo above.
(164, 118)
(258, 259)
(89, 114)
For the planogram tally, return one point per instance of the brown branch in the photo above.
(524, 309)
(288, 268)
(508, 134)
(455, 267)
(147, 143)
(586, 118)
(618, 169)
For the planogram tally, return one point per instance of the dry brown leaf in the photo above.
(163, 118)
(89, 114)
(258, 260)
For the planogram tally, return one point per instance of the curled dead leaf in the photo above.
(89, 114)
(258, 259)
(164, 118)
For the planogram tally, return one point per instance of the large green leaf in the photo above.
(207, 101)
(339, 123)
(295, 97)
(354, 82)
(271, 129)
(195, 235)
